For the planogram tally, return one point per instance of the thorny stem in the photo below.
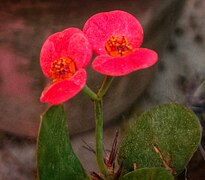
(99, 136)
(99, 124)
(98, 108)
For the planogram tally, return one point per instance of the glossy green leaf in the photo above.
(156, 173)
(55, 157)
(164, 136)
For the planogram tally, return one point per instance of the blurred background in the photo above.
(175, 29)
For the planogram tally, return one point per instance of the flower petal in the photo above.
(59, 92)
(100, 27)
(59, 45)
(118, 66)
(80, 50)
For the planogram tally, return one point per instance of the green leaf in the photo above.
(55, 157)
(164, 136)
(156, 173)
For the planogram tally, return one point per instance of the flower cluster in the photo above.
(115, 37)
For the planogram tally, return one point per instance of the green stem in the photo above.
(98, 105)
(90, 93)
(99, 136)
(105, 85)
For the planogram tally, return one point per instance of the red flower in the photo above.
(63, 58)
(116, 37)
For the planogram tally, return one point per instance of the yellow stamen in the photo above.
(62, 68)
(118, 46)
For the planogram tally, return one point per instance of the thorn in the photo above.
(119, 172)
(112, 156)
(95, 176)
(88, 147)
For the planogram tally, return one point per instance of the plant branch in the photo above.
(93, 96)
(105, 85)
(99, 136)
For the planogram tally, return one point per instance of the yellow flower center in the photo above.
(62, 68)
(118, 46)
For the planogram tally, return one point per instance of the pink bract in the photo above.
(119, 66)
(59, 92)
(108, 29)
(69, 44)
